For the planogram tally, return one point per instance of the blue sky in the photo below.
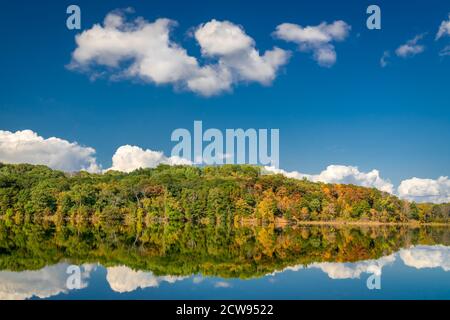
(395, 119)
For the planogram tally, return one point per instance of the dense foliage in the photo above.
(186, 193)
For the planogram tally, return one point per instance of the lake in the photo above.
(222, 261)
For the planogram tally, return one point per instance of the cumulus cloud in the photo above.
(128, 158)
(421, 257)
(143, 50)
(410, 48)
(44, 283)
(236, 52)
(341, 174)
(123, 279)
(384, 59)
(28, 147)
(444, 29)
(425, 190)
(316, 39)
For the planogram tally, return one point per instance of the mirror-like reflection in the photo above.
(184, 260)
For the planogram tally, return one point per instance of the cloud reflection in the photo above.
(123, 279)
(44, 283)
(51, 280)
(420, 257)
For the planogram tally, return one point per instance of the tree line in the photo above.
(187, 193)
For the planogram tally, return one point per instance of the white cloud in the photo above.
(128, 158)
(317, 39)
(44, 283)
(444, 28)
(384, 59)
(421, 257)
(222, 38)
(123, 279)
(27, 147)
(425, 190)
(143, 50)
(445, 51)
(411, 47)
(342, 174)
(236, 52)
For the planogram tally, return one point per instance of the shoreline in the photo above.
(285, 222)
(375, 223)
(279, 222)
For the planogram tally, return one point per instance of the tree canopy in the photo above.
(213, 193)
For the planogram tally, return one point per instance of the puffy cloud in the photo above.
(341, 174)
(44, 283)
(444, 29)
(317, 39)
(222, 38)
(236, 52)
(143, 50)
(427, 257)
(28, 147)
(128, 158)
(384, 59)
(410, 48)
(123, 279)
(154, 57)
(425, 190)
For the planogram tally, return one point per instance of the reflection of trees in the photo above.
(211, 249)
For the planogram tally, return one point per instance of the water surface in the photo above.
(189, 261)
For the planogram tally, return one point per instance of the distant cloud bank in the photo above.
(28, 147)
(342, 174)
(425, 190)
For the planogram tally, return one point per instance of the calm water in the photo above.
(185, 261)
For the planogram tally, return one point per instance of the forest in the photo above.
(227, 193)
